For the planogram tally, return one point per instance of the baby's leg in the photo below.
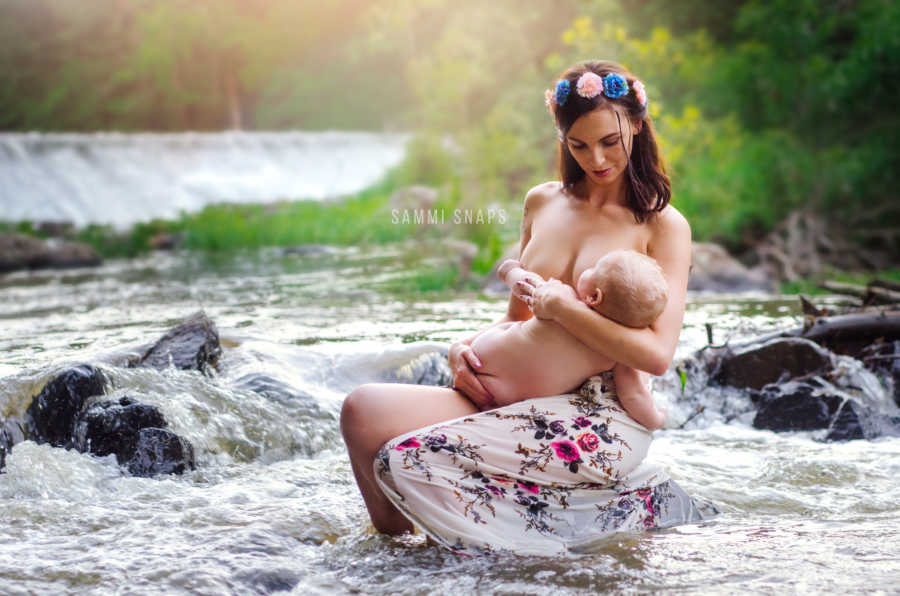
(634, 395)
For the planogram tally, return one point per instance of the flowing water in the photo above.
(272, 504)
(115, 178)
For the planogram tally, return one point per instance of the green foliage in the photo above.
(762, 106)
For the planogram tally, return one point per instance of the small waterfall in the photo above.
(119, 179)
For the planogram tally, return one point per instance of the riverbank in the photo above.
(395, 210)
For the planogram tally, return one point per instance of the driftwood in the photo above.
(841, 333)
(870, 294)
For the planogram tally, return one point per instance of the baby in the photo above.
(536, 358)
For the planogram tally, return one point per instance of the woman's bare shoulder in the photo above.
(541, 194)
(668, 225)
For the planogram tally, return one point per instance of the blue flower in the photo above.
(562, 92)
(614, 85)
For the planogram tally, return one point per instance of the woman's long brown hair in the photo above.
(648, 189)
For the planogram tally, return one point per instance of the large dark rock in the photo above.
(18, 251)
(134, 432)
(714, 270)
(796, 405)
(780, 359)
(159, 451)
(114, 427)
(192, 345)
(816, 404)
(52, 415)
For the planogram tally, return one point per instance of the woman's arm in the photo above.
(652, 348)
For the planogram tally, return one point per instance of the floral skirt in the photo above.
(541, 476)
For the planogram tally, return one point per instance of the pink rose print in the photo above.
(408, 444)
(565, 450)
(588, 441)
(528, 486)
(581, 422)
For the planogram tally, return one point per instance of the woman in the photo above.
(567, 467)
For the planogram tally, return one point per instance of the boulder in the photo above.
(65, 255)
(714, 270)
(757, 365)
(191, 345)
(430, 368)
(114, 426)
(26, 252)
(52, 415)
(159, 451)
(796, 405)
(134, 432)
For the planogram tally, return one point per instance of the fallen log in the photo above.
(870, 294)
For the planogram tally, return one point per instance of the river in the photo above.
(272, 504)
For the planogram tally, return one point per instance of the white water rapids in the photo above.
(272, 506)
(119, 179)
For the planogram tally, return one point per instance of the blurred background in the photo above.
(777, 119)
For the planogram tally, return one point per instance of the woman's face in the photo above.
(595, 143)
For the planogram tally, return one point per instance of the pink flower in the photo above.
(581, 421)
(498, 492)
(565, 450)
(408, 444)
(529, 486)
(588, 442)
(548, 98)
(589, 85)
(639, 92)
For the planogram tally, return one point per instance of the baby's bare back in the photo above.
(534, 358)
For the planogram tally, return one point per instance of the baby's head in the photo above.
(625, 286)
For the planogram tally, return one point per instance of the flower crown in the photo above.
(591, 84)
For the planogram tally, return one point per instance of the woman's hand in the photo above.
(545, 299)
(463, 363)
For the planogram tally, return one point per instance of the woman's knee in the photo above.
(356, 406)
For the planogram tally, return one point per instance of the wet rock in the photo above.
(191, 345)
(159, 451)
(65, 255)
(6, 444)
(797, 405)
(847, 425)
(431, 368)
(114, 427)
(714, 270)
(278, 391)
(52, 415)
(755, 366)
(18, 251)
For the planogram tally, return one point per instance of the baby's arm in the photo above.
(634, 395)
(511, 271)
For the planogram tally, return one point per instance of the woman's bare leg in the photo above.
(375, 413)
